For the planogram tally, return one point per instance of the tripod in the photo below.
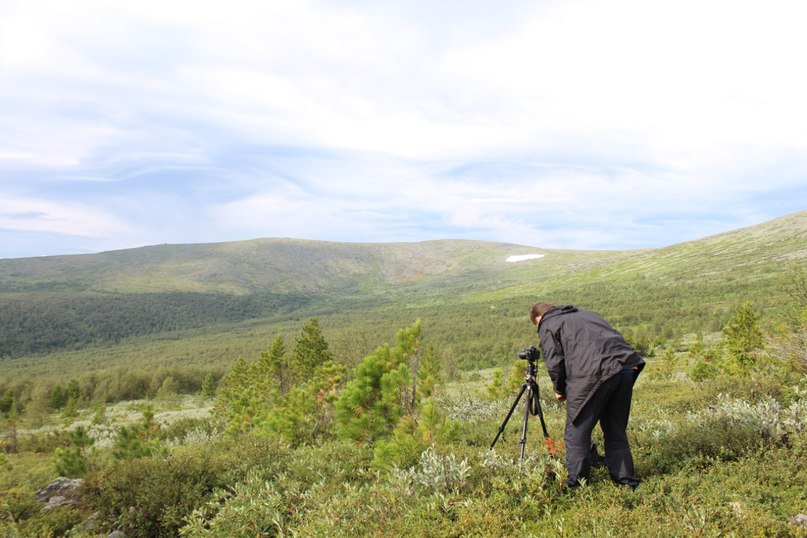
(532, 406)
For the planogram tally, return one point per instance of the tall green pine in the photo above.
(208, 386)
(237, 400)
(310, 351)
(375, 400)
(742, 337)
(73, 461)
(272, 368)
(428, 374)
(306, 413)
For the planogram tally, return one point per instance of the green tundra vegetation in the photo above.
(273, 388)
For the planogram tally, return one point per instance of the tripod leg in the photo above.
(540, 412)
(526, 419)
(512, 408)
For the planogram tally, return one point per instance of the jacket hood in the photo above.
(562, 310)
(557, 311)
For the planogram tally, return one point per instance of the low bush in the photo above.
(283, 491)
(57, 522)
(152, 496)
(190, 430)
(17, 504)
(45, 443)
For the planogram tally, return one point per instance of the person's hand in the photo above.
(560, 397)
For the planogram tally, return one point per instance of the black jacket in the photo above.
(581, 351)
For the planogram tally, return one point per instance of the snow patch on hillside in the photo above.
(523, 257)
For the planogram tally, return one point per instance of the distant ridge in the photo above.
(293, 265)
(66, 302)
(281, 265)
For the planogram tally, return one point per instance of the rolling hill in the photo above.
(463, 289)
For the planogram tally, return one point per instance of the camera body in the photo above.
(530, 354)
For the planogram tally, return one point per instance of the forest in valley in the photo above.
(337, 413)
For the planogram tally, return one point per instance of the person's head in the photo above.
(538, 310)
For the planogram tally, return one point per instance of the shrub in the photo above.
(179, 430)
(434, 473)
(17, 504)
(726, 430)
(250, 508)
(152, 496)
(45, 443)
(56, 522)
(767, 417)
(283, 490)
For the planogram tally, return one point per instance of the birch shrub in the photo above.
(725, 429)
(434, 473)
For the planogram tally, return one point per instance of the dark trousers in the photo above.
(610, 406)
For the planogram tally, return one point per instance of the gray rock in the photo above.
(57, 500)
(61, 492)
(117, 534)
(799, 520)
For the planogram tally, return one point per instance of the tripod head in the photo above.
(530, 354)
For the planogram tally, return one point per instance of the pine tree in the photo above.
(73, 461)
(794, 284)
(74, 391)
(70, 410)
(380, 394)
(99, 412)
(697, 348)
(402, 449)
(138, 440)
(6, 401)
(39, 407)
(208, 386)
(409, 341)
(518, 371)
(58, 398)
(310, 351)
(271, 369)
(742, 337)
(706, 366)
(306, 413)
(497, 389)
(428, 374)
(238, 400)
(412, 436)
(359, 412)
(668, 360)
(269, 396)
(168, 391)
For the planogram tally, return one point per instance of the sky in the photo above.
(578, 124)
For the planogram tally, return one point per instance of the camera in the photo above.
(530, 354)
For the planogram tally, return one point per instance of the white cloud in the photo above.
(69, 219)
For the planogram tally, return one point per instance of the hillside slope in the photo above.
(278, 265)
(67, 302)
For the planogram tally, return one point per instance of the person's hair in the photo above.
(539, 309)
